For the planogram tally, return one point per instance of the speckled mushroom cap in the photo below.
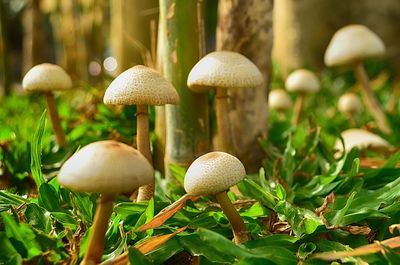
(212, 173)
(351, 44)
(140, 85)
(279, 100)
(361, 139)
(108, 167)
(302, 81)
(349, 103)
(224, 69)
(46, 77)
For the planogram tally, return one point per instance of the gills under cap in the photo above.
(212, 173)
(46, 77)
(361, 139)
(302, 81)
(224, 69)
(279, 100)
(351, 44)
(140, 85)
(108, 167)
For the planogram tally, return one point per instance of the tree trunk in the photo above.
(245, 26)
(187, 122)
(4, 63)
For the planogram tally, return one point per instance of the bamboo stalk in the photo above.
(55, 120)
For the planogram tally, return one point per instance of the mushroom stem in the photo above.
(298, 108)
(97, 236)
(238, 227)
(223, 124)
(143, 145)
(370, 100)
(55, 119)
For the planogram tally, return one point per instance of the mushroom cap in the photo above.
(46, 77)
(212, 173)
(224, 69)
(361, 139)
(279, 100)
(351, 44)
(302, 81)
(349, 103)
(108, 167)
(140, 85)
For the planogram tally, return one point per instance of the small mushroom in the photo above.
(224, 70)
(215, 173)
(302, 82)
(110, 168)
(279, 100)
(350, 45)
(350, 105)
(47, 78)
(141, 86)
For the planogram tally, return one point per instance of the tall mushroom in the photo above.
(110, 168)
(279, 100)
(141, 86)
(215, 173)
(47, 78)
(224, 70)
(301, 81)
(350, 45)
(350, 105)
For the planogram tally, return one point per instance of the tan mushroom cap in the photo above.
(108, 167)
(46, 77)
(212, 173)
(224, 69)
(351, 44)
(349, 103)
(361, 139)
(302, 81)
(140, 85)
(279, 100)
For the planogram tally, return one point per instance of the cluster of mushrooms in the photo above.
(213, 173)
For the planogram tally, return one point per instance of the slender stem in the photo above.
(298, 108)
(239, 229)
(55, 119)
(97, 236)
(223, 124)
(370, 100)
(143, 144)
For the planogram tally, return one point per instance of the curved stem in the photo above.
(239, 229)
(55, 119)
(95, 247)
(143, 145)
(298, 108)
(370, 99)
(223, 124)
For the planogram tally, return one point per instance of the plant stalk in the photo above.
(225, 138)
(55, 119)
(298, 108)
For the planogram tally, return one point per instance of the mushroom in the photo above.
(350, 45)
(47, 78)
(302, 82)
(224, 70)
(215, 173)
(141, 86)
(110, 168)
(279, 100)
(350, 105)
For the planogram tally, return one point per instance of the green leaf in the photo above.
(38, 217)
(8, 254)
(48, 198)
(137, 258)
(280, 192)
(36, 149)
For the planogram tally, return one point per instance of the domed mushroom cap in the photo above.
(351, 44)
(279, 100)
(302, 81)
(224, 69)
(107, 167)
(361, 139)
(212, 173)
(46, 77)
(140, 85)
(349, 103)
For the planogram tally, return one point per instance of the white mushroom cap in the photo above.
(349, 103)
(107, 167)
(226, 70)
(140, 85)
(361, 139)
(302, 81)
(46, 77)
(279, 100)
(351, 44)
(212, 173)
